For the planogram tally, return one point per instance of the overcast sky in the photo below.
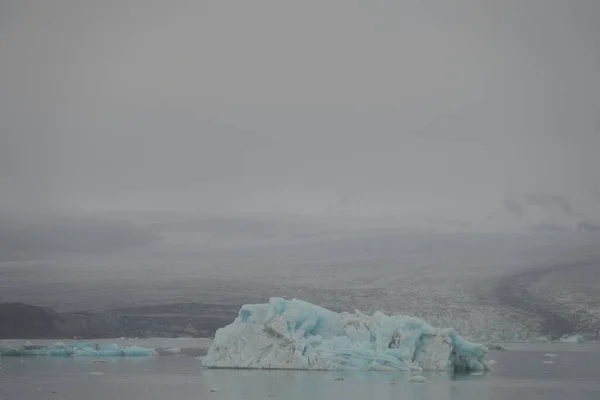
(290, 106)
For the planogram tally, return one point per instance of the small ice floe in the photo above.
(572, 339)
(213, 390)
(417, 378)
(338, 379)
(549, 355)
(98, 373)
(99, 361)
(548, 362)
(492, 362)
(174, 350)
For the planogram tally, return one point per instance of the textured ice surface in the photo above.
(77, 349)
(573, 339)
(298, 335)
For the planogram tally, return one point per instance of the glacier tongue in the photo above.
(294, 334)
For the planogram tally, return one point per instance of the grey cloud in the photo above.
(225, 106)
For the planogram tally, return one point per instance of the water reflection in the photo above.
(516, 375)
(341, 384)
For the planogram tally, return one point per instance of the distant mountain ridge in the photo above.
(528, 212)
(541, 212)
(44, 236)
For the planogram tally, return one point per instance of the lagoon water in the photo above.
(522, 372)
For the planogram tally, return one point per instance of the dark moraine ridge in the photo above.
(18, 320)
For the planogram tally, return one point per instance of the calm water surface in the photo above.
(519, 373)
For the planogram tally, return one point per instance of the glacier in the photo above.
(294, 334)
(78, 349)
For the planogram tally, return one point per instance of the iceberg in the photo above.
(294, 334)
(77, 349)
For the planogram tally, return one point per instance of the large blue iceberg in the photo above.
(78, 349)
(295, 334)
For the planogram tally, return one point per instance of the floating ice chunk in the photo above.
(138, 351)
(77, 349)
(492, 362)
(110, 350)
(213, 390)
(298, 335)
(549, 355)
(97, 373)
(548, 362)
(573, 339)
(417, 378)
(175, 350)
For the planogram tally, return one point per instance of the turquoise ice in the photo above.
(294, 334)
(78, 349)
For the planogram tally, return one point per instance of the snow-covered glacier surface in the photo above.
(294, 334)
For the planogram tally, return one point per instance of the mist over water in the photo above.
(507, 286)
